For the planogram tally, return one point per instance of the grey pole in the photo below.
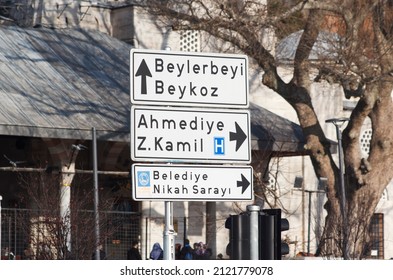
(1, 198)
(169, 231)
(343, 195)
(309, 221)
(95, 181)
(254, 231)
(340, 155)
(338, 123)
(321, 189)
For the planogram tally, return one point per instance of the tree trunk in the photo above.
(365, 180)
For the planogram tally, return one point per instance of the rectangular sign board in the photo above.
(190, 135)
(188, 79)
(171, 182)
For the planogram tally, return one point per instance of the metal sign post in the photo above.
(253, 210)
(169, 232)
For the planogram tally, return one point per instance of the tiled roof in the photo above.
(61, 83)
(271, 132)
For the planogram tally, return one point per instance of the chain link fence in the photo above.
(37, 234)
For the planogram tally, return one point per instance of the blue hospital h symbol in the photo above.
(219, 147)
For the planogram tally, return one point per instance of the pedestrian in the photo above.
(208, 253)
(156, 253)
(202, 252)
(186, 253)
(177, 251)
(133, 252)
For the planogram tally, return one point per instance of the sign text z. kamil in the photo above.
(190, 134)
(174, 78)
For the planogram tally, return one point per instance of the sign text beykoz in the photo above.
(162, 77)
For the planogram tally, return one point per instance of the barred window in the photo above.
(189, 41)
(365, 139)
(376, 246)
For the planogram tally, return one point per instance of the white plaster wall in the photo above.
(150, 34)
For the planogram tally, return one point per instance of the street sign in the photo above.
(188, 79)
(171, 182)
(190, 135)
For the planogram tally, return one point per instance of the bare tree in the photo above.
(46, 232)
(360, 60)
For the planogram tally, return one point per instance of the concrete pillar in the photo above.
(65, 201)
(65, 154)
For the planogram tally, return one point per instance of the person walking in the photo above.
(186, 253)
(133, 252)
(177, 251)
(156, 253)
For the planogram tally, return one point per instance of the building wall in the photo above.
(150, 34)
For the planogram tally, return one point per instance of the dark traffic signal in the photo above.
(270, 226)
(239, 236)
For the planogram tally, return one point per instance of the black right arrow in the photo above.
(239, 136)
(143, 71)
(244, 183)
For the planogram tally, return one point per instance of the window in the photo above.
(189, 41)
(365, 140)
(376, 245)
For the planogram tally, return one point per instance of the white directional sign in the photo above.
(188, 79)
(190, 134)
(191, 182)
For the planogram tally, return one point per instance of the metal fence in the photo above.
(26, 234)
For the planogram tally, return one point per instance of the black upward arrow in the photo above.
(239, 136)
(143, 71)
(244, 183)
